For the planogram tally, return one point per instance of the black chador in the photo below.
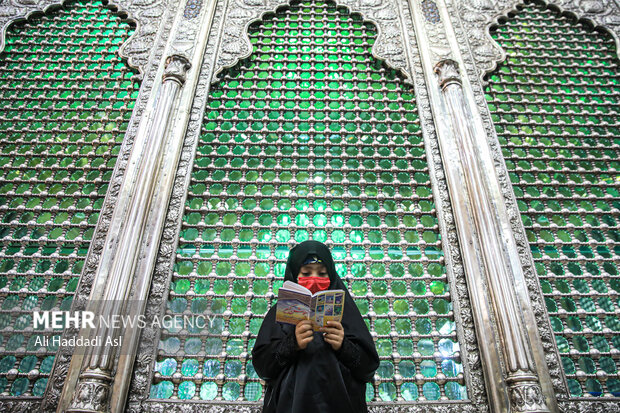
(316, 379)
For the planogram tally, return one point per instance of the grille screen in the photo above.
(65, 99)
(310, 138)
(555, 104)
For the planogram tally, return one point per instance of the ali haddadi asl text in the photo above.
(78, 341)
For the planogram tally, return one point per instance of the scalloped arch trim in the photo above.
(389, 47)
(479, 16)
(146, 14)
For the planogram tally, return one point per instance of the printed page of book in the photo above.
(328, 306)
(294, 303)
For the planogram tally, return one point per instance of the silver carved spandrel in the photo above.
(17, 10)
(235, 43)
(477, 16)
(148, 16)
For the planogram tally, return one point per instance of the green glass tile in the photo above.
(163, 390)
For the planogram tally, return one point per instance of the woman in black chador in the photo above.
(315, 372)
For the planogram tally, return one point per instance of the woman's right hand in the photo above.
(303, 334)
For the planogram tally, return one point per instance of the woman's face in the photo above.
(313, 270)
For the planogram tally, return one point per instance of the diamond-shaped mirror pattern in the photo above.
(65, 100)
(555, 104)
(310, 138)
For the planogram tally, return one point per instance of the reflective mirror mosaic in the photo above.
(555, 103)
(65, 100)
(310, 138)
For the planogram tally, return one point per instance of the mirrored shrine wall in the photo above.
(311, 137)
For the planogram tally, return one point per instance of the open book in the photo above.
(297, 303)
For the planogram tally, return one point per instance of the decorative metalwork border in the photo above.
(20, 404)
(246, 407)
(589, 406)
(143, 369)
(463, 312)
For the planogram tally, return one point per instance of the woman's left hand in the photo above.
(333, 334)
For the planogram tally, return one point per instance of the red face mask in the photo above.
(314, 284)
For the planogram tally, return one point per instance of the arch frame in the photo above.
(477, 17)
(146, 14)
(157, 18)
(140, 50)
(391, 46)
(142, 376)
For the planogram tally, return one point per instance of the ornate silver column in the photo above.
(509, 349)
(92, 392)
(524, 390)
(97, 381)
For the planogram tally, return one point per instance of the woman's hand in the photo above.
(303, 334)
(333, 334)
